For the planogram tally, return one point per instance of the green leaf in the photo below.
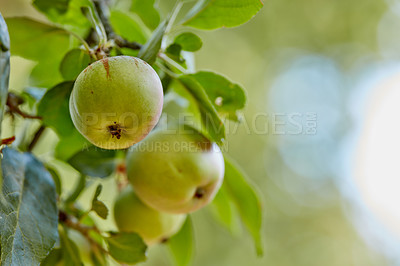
(181, 245)
(54, 108)
(70, 145)
(58, 7)
(127, 27)
(73, 63)
(147, 12)
(246, 199)
(127, 247)
(28, 210)
(98, 206)
(213, 14)
(45, 42)
(66, 13)
(150, 50)
(228, 98)
(225, 211)
(189, 41)
(94, 162)
(53, 258)
(213, 124)
(80, 185)
(70, 251)
(4, 65)
(47, 45)
(56, 179)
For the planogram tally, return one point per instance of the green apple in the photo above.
(116, 101)
(175, 172)
(131, 215)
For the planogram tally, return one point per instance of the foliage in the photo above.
(37, 217)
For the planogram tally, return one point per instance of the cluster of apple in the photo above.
(116, 102)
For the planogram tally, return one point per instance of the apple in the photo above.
(175, 172)
(116, 101)
(132, 215)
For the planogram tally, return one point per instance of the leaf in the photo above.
(58, 7)
(225, 211)
(4, 65)
(94, 162)
(147, 12)
(37, 41)
(28, 210)
(247, 201)
(66, 13)
(228, 98)
(181, 245)
(56, 179)
(70, 145)
(213, 14)
(150, 50)
(127, 27)
(54, 108)
(53, 258)
(70, 251)
(42, 43)
(189, 41)
(98, 206)
(212, 122)
(127, 247)
(73, 63)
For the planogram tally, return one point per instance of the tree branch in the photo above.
(102, 10)
(36, 137)
(13, 102)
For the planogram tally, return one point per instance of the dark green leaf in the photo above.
(247, 201)
(127, 247)
(80, 185)
(53, 258)
(147, 12)
(98, 206)
(227, 97)
(58, 7)
(73, 63)
(54, 109)
(181, 244)
(56, 179)
(70, 145)
(174, 52)
(212, 122)
(127, 27)
(4, 65)
(189, 41)
(70, 251)
(225, 211)
(213, 14)
(28, 210)
(150, 50)
(94, 162)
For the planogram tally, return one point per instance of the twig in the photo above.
(36, 137)
(102, 10)
(72, 223)
(13, 102)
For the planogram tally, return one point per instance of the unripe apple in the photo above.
(131, 215)
(175, 172)
(116, 101)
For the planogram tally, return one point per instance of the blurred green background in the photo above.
(298, 59)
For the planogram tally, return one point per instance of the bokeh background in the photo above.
(319, 138)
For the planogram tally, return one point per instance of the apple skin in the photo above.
(175, 172)
(116, 101)
(132, 215)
